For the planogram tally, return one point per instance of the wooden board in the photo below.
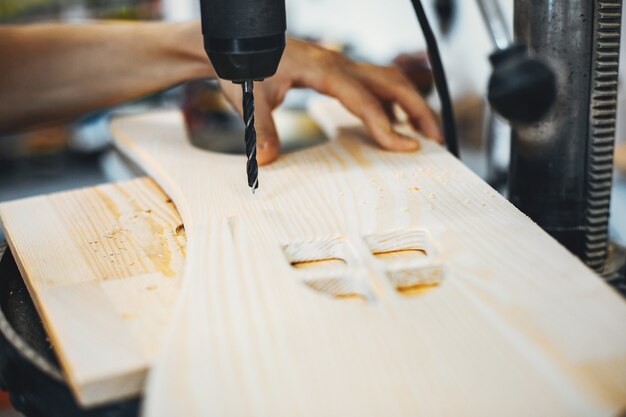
(620, 156)
(358, 282)
(103, 266)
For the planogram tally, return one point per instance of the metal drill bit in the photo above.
(252, 166)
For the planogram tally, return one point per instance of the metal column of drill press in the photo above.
(561, 168)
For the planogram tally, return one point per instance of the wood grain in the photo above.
(620, 156)
(516, 325)
(103, 266)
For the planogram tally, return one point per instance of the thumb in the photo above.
(267, 143)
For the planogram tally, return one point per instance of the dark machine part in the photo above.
(521, 89)
(29, 370)
(446, 12)
(244, 39)
(496, 23)
(441, 82)
(561, 168)
(252, 167)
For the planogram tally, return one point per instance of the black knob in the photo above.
(521, 89)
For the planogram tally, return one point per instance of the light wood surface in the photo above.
(358, 283)
(620, 156)
(103, 266)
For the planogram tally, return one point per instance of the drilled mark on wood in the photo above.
(340, 288)
(319, 263)
(416, 280)
(397, 241)
(323, 253)
(328, 266)
(403, 254)
(163, 237)
(411, 261)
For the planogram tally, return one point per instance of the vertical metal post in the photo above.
(496, 23)
(604, 77)
(561, 168)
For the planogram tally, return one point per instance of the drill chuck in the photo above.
(244, 39)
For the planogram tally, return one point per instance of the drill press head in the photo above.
(244, 39)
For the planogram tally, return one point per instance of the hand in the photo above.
(368, 91)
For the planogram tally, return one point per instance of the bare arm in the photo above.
(55, 72)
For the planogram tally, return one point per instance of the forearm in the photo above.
(55, 72)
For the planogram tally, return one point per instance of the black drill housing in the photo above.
(244, 39)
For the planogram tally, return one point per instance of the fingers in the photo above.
(267, 143)
(389, 110)
(233, 94)
(365, 90)
(362, 103)
(390, 85)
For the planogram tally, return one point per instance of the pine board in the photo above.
(620, 156)
(358, 283)
(103, 266)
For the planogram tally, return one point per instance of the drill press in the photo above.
(245, 40)
(562, 155)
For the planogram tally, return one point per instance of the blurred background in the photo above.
(79, 154)
(382, 32)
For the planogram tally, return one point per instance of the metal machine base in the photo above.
(29, 370)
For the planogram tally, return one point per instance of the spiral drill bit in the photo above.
(252, 166)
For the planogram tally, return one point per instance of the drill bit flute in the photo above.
(245, 39)
(252, 167)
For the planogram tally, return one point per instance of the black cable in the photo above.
(441, 83)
